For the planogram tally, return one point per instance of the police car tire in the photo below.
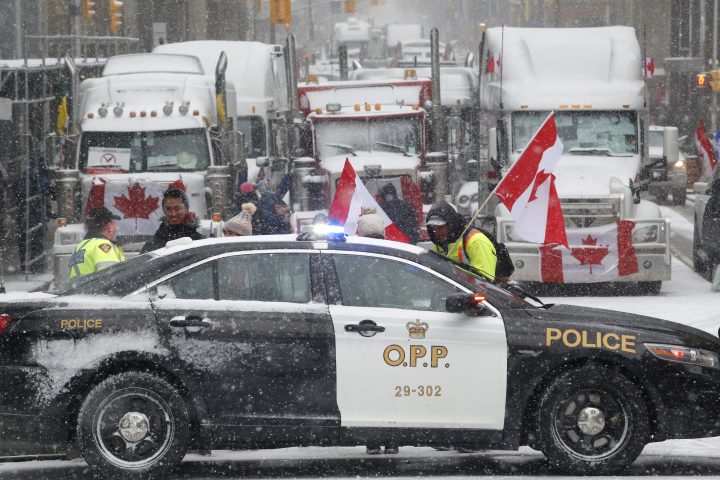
(613, 394)
(140, 399)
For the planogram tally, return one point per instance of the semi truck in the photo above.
(149, 122)
(592, 79)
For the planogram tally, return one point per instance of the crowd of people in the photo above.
(262, 211)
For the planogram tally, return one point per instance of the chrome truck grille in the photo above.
(584, 212)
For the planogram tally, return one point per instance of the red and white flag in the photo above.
(137, 203)
(706, 151)
(528, 189)
(349, 200)
(649, 67)
(596, 254)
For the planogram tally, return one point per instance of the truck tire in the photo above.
(133, 425)
(679, 196)
(592, 420)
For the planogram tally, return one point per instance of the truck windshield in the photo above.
(168, 150)
(389, 135)
(609, 133)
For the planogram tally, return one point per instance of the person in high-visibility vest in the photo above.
(445, 228)
(98, 249)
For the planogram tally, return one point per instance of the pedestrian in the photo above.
(98, 249)
(370, 224)
(241, 224)
(178, 221)
(247, 194)
(273, 213)
(400, 212)
(475, 249)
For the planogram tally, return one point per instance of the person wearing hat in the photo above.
(273, 214)
(241, 224)
(178, 221)
(370, 224)
(98, 248)
(400, 212)
(445, 228)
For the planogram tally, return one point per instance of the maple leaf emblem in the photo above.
(539, 180)
(136, 204)
(590, 254)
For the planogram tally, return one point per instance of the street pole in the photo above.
(713, 114)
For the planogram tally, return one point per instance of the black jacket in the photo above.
(400, 212)
(167, 231)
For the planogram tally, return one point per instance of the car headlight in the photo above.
(644, 233)
(679, 165)
(681, 354)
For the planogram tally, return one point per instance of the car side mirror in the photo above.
(700, 187)
(469, 303)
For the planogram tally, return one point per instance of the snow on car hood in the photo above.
(388, 161)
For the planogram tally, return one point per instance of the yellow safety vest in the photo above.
(94, 254)
(478, 252)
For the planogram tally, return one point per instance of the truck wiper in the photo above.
(343, 147)
(590, 151)
(397, 148)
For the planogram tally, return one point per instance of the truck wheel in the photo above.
(679, 195)
(592, 420)
(133, 425)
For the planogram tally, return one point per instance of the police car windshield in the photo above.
(498, 297)
(83, 283)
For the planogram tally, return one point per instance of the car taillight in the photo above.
(5, 321)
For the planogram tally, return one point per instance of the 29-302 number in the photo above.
(420, 391)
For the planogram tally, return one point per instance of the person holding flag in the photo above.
(706, 152)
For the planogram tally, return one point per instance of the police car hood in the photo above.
(652, 329)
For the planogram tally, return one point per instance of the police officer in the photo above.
(98, 248)
(445, 228)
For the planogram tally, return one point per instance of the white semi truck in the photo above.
(151, 121)
(592, 79)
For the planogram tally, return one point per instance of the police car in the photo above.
(272, 341)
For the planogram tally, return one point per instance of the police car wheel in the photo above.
(592, 420)
(133, 424)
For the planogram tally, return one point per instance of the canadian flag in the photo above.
(528, 189)
(350, 198)
(137, 202)
(649, 67)
(596, 254)
(709, 160)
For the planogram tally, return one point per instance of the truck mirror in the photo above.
(700, 187)
(492, 145)
(670, 145)
(262, 162)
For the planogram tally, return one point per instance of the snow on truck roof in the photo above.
(150, 63)
(544, 68)
(348, 94)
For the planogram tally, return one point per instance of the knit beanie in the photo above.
(371, 225)
(241, 224)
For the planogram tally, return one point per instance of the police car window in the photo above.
(267, 277)
(196, 283)
(377, 282)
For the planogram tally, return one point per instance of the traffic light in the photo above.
(115, 16)
(715, 82)
(87, 10)
(701, 80)
(350, 6)
(280, 12)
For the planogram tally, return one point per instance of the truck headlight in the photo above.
(682, 354)
(648, 233)
(464, 201)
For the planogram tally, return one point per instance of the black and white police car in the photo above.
(263, 342)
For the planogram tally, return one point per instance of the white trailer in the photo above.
(592, 79)
(151, 121)
(257, 72)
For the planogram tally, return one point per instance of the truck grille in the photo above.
(583, 212)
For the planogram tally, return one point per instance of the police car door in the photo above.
(402, 359)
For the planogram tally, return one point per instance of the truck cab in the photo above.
(601, 117)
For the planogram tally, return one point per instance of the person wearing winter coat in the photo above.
(400, 212)
(98, 249)
(241, 224)
(178, 221)
(445, 228)
(273, 214)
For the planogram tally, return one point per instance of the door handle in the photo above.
(189, 321)
(366, 328)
